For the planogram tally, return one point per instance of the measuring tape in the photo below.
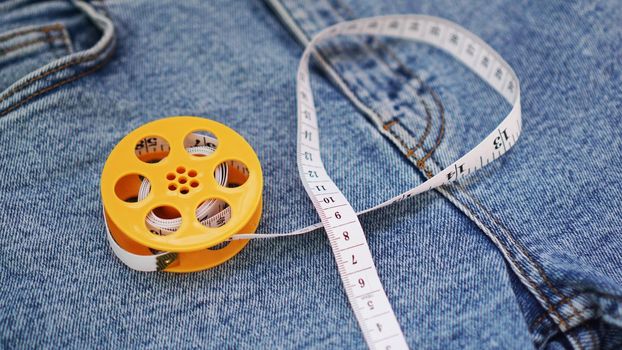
(354, 261)
(173, 196)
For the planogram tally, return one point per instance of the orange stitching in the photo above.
(435, 97)
(559, 304)
(426, 132)
(389, 124)
(441, 132)
(44, 29)
(537, 266)
(24, 44)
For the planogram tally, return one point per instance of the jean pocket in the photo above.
(37, 53)
(25, 49)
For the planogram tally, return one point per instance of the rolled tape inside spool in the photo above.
(170, 186)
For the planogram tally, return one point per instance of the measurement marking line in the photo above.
(310, 125)
(326, 194)
(381, 314)
(361, 270)
(372, 292)
(311, 147)
(311, 166)
(385, 338)
(354, 246)
(335, 206)
(502, 140)
(347, 223)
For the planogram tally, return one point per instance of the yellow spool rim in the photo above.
(191, 235)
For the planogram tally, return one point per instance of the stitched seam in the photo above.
(50, 39)
(44, 29)
(523, 250)
(422, 161)
(52, 87)
(527, 277)
(546, 313)
(81, 59)
(24, 44)
(420, 141)
(411, 75)
(541, 272)
(431, 91)
(52, 71)
(427, 156)
(403, 143)
(543, 315)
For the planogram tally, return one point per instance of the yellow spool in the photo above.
(121, 179)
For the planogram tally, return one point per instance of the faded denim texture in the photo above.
(525, 253)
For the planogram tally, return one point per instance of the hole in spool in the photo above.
(163, 220)
(127, 187)
(167, 212)
(213, 212)
(201, 139)
(152, 149)
(237, 172)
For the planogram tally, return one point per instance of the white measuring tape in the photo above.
(354, 261)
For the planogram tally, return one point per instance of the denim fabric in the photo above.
(524, 254)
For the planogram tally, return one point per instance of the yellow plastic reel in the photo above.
(192, 240)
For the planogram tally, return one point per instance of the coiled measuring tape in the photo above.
(173, 196)
(354, 261)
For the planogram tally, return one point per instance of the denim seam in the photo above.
(417, 141)
(421, 162)
(48, 38)
(339, 5)
(520, 246)
(25, 44)
(388, 125)
(54, 86)
(542, 317)
(10, 4)
(105, 52)
(44, 29)
(510, 256)
(28, 82)
(564, 321)
(375, 117)
(527, 277)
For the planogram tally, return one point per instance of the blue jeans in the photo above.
(525, 253)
